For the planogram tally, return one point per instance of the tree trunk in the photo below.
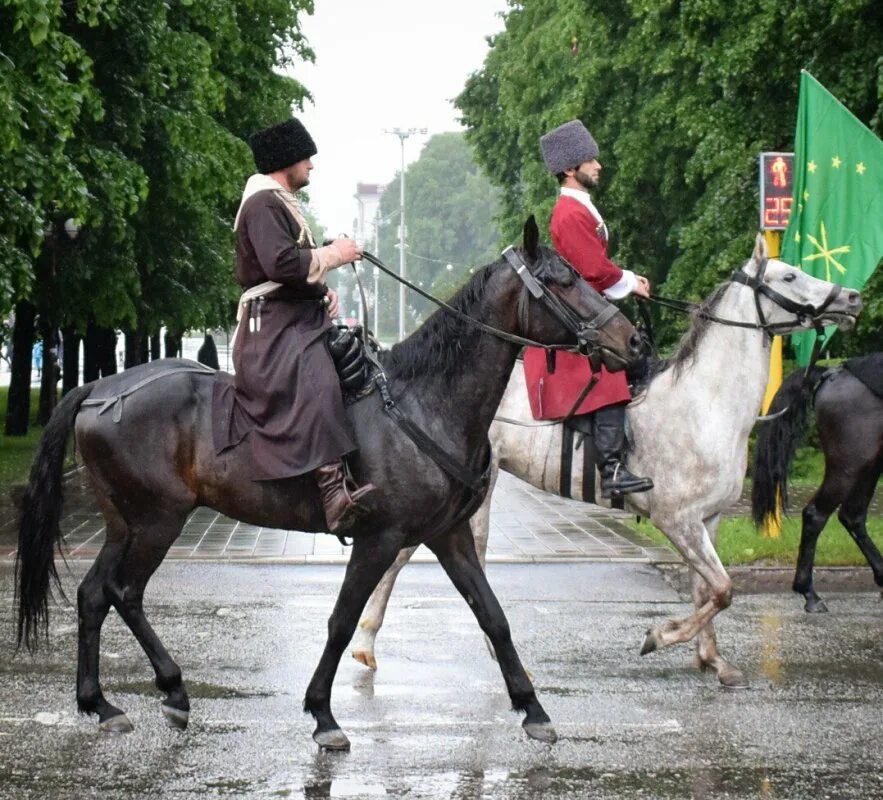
(155, 351)
(91, 368)
(19, 405)
(99, 353)
(173, 345)
(70, 359)
(49, 378)
(107, 351)
(136, 348)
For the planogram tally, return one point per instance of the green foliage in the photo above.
(739, 543)
(131, 118)
(682, 97)
(450, 209)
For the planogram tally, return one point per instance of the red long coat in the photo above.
(575, 236)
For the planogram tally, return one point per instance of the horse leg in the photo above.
(93, 603)
(853, 516)
(815, 515)
(370, 559)
(127, 595)
(707, 654)
(375, 611)
(694, 543)
(456, 553)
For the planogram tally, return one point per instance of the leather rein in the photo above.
(803, 311)
(586, 332)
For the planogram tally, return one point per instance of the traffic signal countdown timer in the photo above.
(776, 179)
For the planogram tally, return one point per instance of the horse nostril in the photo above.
(854, 297)
(635, 343)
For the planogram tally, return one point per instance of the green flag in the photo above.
(835, 231)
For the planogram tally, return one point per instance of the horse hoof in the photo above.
(815, 607)
(365, 657)
(541, 731)
(334, 739)
(650, 643)
(733, 679)
(175, 717)
(116, 724)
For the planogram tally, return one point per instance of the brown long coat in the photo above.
(285, 396)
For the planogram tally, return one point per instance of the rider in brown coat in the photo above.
(287, 393)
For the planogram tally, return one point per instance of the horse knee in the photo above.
(723, 597)
(497, 630)
(814, 519)
(339, 632)
(92, 602)
(851, 520)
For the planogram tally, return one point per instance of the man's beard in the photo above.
(295, 182)
(585, 180)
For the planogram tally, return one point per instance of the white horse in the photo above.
(690, 429)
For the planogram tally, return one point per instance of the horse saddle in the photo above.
(869, 370)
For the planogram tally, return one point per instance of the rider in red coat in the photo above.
(580, 235)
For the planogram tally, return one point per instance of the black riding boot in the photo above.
(608, 424)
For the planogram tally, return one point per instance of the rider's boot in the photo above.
(340, 502)
(608, 426)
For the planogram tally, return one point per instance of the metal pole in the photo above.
(376, 271)
(402, 274)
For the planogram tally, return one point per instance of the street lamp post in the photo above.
(402, 133)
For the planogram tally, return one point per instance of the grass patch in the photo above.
(17, 452)
(738, 542)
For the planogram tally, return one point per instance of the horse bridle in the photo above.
(805, 312)
(587, 332)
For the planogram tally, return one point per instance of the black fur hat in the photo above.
(281, 145)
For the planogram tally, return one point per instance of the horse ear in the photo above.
(531, 236)
(761, 253)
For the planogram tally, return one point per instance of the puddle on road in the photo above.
(197, 690)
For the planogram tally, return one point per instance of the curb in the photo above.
(768, 580)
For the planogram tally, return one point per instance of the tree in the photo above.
(450, 219)
(681, 98)
(130, 119)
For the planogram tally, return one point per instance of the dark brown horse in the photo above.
(156, 464)
(849, 417)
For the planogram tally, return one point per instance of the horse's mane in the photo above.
(690, 341)
(436, 347)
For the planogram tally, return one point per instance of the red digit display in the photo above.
(775, 190)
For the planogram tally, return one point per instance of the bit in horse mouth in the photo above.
(843, 321)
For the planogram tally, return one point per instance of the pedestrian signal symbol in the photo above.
(776, 170)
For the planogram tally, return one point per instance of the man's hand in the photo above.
(333, 304)
(643, 287)
(348, 249)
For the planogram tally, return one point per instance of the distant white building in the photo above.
(367, 212)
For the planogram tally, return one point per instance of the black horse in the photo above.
(849, 417)
(154, 465)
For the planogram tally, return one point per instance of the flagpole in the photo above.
(772, 527)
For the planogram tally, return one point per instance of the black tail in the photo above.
(39, 531)
(777, 442)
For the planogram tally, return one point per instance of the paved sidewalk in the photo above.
(527, 525)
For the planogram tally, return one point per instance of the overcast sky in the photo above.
(383, 64)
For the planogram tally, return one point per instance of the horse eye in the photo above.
(790, 278)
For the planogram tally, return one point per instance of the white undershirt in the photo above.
(627, 283)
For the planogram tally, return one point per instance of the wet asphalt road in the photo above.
(434, 721)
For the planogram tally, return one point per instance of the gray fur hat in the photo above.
(568, 146)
